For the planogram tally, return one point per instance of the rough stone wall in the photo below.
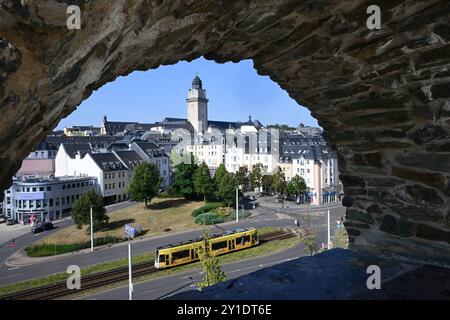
(382, 96)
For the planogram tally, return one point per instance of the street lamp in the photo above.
(92, 232)
(237, 205)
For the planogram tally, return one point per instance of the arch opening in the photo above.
(382, 97)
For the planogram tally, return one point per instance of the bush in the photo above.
(210, 206)
(208, 218)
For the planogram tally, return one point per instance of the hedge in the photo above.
(208, 218)
(46, 249)
(207, 208)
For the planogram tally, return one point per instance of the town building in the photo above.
(40, 162)
(309, 157)
(46, 199)
(82, 131)
(152, 153)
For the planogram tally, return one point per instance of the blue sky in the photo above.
(234, 91)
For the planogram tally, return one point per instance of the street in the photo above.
(263, 218)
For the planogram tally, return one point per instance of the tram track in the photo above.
(101, 279)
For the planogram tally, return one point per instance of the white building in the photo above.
(46, 199)
(112, 175)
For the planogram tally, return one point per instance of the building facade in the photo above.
(46, 199)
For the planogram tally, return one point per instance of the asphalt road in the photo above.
(163, 287)
(264, 218)
(29, 238)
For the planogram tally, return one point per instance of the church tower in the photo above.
(197, 106)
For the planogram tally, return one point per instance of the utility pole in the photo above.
(329, 230)
(92, 232)
(130, 276)
(237, 204)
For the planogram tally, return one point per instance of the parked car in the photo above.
(41, 227)
(10, 222)
(2, 219)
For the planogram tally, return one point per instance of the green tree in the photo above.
(279, 183)
(256, 175)
(227, 189)
(183, 182)
(310, 242)
(296, 186)
(81, 210)
(267, 183)
(145, 182)
(242, 176)
(203, 182)
(220, 172)
(212, 271)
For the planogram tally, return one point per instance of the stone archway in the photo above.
(382, 96)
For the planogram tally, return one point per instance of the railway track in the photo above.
(101, 279)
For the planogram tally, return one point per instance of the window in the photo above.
(49, 188)
(243, 240)
(34, 189)
(219, 245)
(64, 186)
(180, 254)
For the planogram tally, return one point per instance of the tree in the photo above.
(226, 189)
(297, 186)
(255, 176)
(212, 271)
(310, 243)
(145, 182)
(220, 172)
(279, 183)
(267, 182)
(242, 176)
(183, 182)
(203, 182)
(81, 210)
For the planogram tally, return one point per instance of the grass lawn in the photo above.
(261, 250)
(162, 214)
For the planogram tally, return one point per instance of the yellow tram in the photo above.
(187, 252)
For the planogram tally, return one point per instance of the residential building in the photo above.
(82, 131)
(151, 153)
(310, 158)
(40, 162)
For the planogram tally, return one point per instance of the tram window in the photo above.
(219, 245)
(243, 239)
(180, 254)
(162, 258)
